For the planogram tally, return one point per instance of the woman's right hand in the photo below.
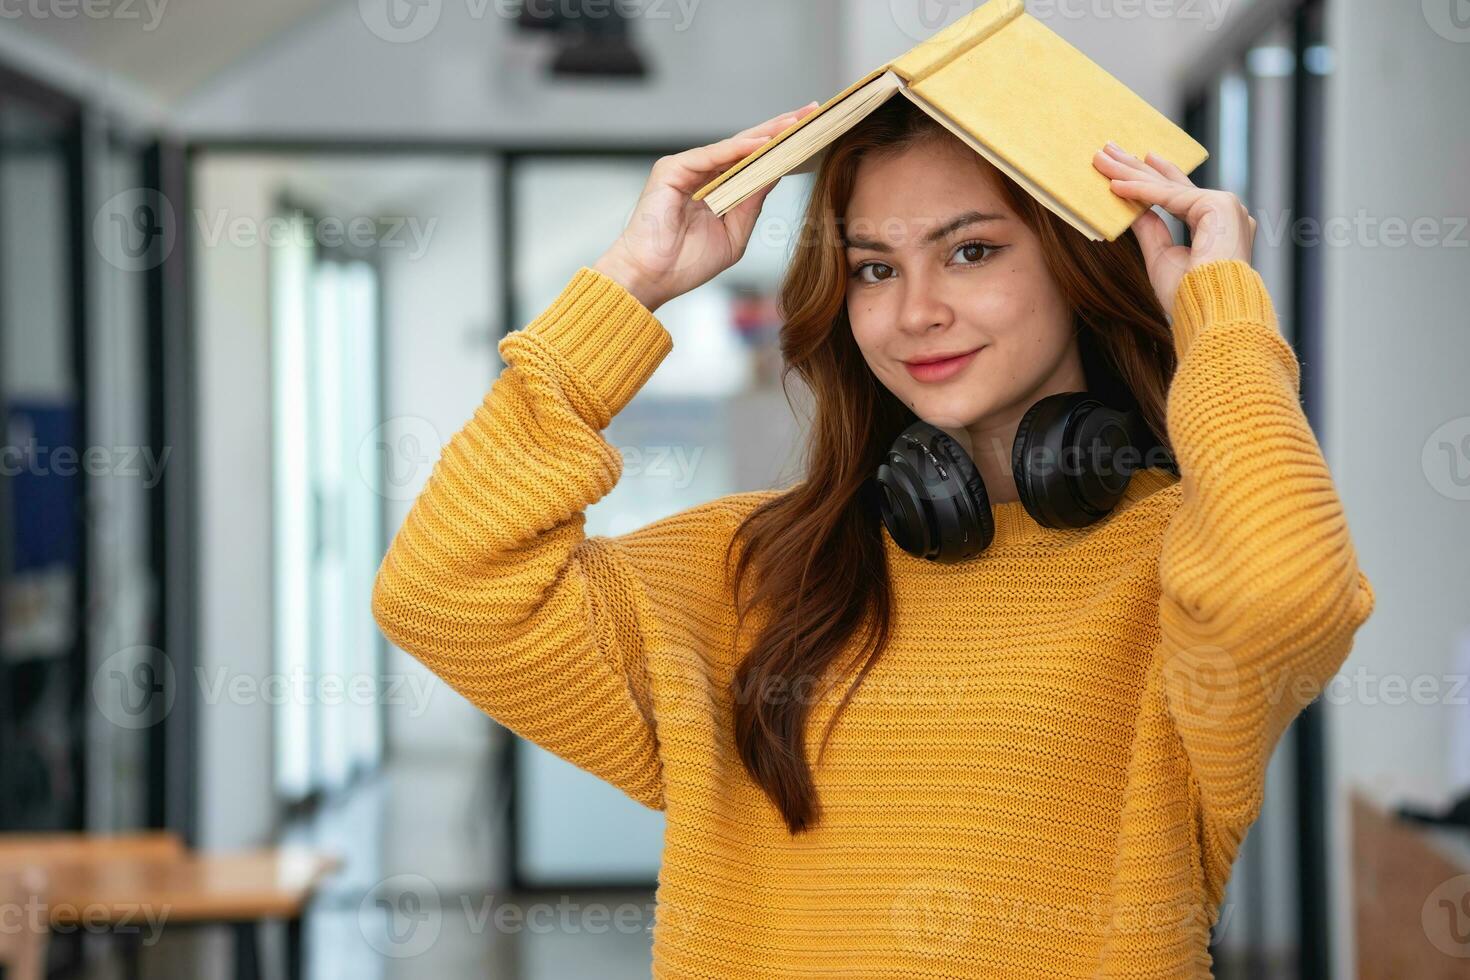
(672, 243)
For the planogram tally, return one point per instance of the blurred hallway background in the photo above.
(255, 259)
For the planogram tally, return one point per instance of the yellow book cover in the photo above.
(1018, 94)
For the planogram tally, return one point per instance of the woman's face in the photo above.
(938, 265)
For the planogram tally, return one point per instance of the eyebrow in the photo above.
(938, 234)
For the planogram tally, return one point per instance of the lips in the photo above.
(941, 369)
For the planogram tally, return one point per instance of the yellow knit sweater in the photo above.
(1051, 768)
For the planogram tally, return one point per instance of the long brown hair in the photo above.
(814, 552)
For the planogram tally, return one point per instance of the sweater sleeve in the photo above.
(491, 582)
(1260, 587)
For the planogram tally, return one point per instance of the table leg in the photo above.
(295, 949)
(247, 962)
(132, 950)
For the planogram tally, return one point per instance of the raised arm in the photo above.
(491, 582)
(1261, 590)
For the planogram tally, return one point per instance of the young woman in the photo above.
(904, 727)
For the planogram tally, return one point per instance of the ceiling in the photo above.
(166, 48)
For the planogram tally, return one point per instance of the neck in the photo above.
(988, 443)
(990, 439)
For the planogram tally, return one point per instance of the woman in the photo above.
(876, 758)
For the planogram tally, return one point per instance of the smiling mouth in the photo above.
(941, 369)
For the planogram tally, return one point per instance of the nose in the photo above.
(924, 308)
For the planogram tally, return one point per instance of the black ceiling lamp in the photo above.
(594, 37)
(540, 15)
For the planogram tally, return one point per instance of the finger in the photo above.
(690, 170)
(777, 123)
(1154, 166)
(1177, 199)
(770, 126)
(705, 162)
(1115, 152)
(1114, 166)
(1168, 169)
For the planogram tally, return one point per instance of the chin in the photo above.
(954, 412)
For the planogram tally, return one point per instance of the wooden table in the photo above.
(130, 889)
(56, 848)
(1411, 890)
(22, 853)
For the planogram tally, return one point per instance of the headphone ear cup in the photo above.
(1036, 458)
(932, 499)
(1020, 450)
(1065, 431)
(981, 530)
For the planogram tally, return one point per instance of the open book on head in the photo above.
(1018, 94)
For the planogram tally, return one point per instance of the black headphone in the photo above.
(1072, 458)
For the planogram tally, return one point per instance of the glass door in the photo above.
(325, 365)
(43, 666)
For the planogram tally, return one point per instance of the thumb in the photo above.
(1153, 235)
(740, 220)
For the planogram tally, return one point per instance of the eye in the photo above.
(977, 253)
(858, 272)
(970, 250)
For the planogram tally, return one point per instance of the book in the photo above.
(1021, 96)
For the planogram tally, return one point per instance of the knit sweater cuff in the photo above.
(609, 338)
(1221, 291)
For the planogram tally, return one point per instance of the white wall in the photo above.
(237, 802)
(1395, 370)
(441, 311)
(473, 76)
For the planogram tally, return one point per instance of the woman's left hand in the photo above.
(1219, 225)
